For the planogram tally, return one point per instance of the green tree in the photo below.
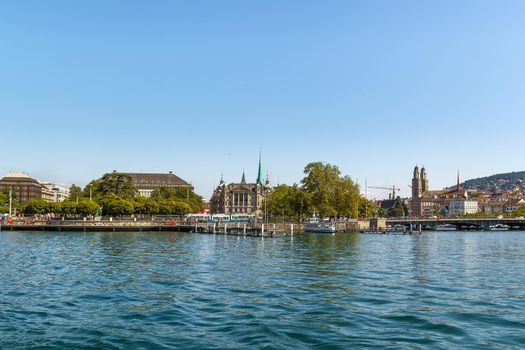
(68, 208)
(346, 198)
(75, 193)
(91, 190)
(54, 208)
(320, 181)
(332, 195)
(381, 213)
(87, 208)
(4, 201)
(184, 194)
(151, 207)
(369, 207)
(146, 206)
(520, 211)
(289, 202)
(118, 184)
(181, 208)
(164, 193)
(119, 207)
(398, 210)
(173, 207)
(278, 202)
(35, 206)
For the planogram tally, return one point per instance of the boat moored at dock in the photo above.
(446, 227)
(314, 225)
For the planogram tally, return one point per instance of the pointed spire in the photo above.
(222, 180)
(459, 185)
(260, 176)
(243, 180)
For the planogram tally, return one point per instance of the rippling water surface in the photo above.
(162, 290)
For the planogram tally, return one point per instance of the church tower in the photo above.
(424, 180)
(260, 176)
(416, 183)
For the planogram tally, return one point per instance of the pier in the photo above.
(463, 223)
(256, 229)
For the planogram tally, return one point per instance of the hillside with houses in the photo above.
(497, 183)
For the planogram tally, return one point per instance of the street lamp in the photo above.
(10, 202)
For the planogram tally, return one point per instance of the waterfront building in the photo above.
(502, 204)
(23, 186)
(462, 207)
(146, 183)
(47, 194)
(241, 197)
(513, 204)
(426, 202)
(52, 192)
(494, 206)
(421, 207)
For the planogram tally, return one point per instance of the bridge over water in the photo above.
(466, 223)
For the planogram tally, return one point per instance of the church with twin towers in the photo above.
(424, 201)
(419, 182)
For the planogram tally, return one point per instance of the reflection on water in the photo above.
(161, 290)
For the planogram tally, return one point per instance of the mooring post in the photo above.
(225, 228)
(244, 230)
(262, 230)
(291, 229)
(213, 228)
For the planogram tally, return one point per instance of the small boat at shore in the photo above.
(397, 228)
(446, 227)
(499, 227)
(314, 226)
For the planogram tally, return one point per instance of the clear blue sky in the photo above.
(198, 87)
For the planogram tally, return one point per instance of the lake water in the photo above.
(161, 290)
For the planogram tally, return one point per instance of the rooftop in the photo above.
(18, 177)
(158, 179)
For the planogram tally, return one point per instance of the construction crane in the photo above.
(393, 189)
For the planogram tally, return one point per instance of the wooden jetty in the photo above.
(229, 228)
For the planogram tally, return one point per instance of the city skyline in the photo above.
(373, 193)
(198, 89)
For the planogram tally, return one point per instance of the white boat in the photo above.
(499, 227)
(446, 227)
(314, 226)
(397, 228)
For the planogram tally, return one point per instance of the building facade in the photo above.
(463, 207)
(427, 203)
(23, 186)
(52, 192)
(241, 197)
(146, 183)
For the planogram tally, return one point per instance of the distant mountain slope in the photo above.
(503, 182)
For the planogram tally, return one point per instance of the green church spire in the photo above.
(260, 176)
